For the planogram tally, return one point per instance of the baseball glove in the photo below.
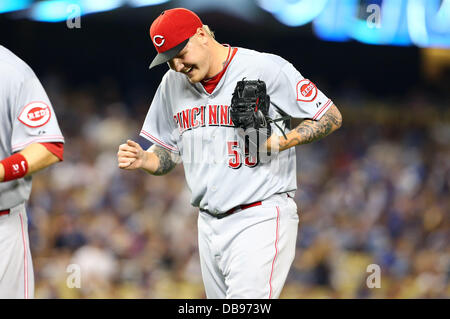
(250, 107)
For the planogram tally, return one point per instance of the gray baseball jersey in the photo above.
(26, 117)
(185, 119)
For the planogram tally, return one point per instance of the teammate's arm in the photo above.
(156, 160)
(37, 157)
(309, 131)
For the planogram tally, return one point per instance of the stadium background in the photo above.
(375, 192)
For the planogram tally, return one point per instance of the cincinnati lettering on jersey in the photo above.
(201, 116)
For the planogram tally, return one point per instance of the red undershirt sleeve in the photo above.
(56, 148)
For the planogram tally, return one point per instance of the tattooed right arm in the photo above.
(308, 131)
(156, 160)
(163, 161)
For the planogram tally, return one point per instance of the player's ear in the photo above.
(200, 31)
(201, 35)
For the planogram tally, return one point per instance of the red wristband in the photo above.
(16, 166)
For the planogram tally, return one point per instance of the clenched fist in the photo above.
(131, 155)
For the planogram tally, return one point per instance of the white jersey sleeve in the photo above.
(34, 119)
(159, 127)
(26, 117)
(296, 96)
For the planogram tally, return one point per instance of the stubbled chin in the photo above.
(196, 76)
(193, 79)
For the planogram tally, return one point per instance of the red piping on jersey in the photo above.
(276, 252)
(47, 137)
(158, 141)
(210, 84)
(321, 110)
(25, 259)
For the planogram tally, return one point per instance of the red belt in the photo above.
(231, 211)
(4, 212)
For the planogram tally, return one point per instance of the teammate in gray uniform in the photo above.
(30, 140)
(248, 221)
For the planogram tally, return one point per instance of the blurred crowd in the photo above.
(376, 192)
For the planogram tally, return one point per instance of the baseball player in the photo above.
(248, 221)
(30, 140)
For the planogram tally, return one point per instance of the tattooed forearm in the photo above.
(166, 160)
(309, 131)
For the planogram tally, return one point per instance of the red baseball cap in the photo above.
(171, 31)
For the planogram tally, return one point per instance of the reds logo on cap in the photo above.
(157, 42)
(35, 114)
(306, 91)
(171, 31)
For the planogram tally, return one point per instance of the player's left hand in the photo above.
(272, 144)
(276, 143)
